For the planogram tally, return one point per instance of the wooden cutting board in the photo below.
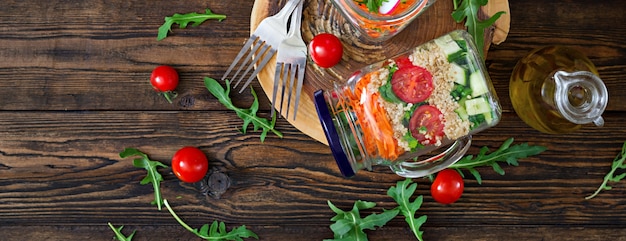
(320, 16)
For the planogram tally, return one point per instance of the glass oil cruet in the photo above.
(556, 89)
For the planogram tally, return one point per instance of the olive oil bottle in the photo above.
(556, 90)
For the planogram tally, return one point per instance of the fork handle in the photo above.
(288, 8)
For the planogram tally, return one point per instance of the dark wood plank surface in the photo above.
(74, 92)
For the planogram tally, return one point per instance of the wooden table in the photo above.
(74, 92)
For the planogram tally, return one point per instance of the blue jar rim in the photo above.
(334, 142)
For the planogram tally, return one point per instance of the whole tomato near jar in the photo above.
(447, 187)
(326, 50)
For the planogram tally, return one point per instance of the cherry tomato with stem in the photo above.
(447, 187)
(164, 79)
(190, 164)
(325, 50)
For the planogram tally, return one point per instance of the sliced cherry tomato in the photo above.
(447, 187)
(165, 79)
(404, 62)
(325, 50)
(412, 84)
(190, 164)
(426, 125)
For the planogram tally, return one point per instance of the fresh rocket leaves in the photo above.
(217, 230)
(153, 175)
(402, 193)
(184, 19)
(468, 10)
(350, 225)
(247, 115)
(618, 163)
(119, 235)
(506, 153)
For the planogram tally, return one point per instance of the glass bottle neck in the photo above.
(580, 97)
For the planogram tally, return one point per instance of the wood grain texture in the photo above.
(75, 92)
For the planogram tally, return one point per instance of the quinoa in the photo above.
(430, 57)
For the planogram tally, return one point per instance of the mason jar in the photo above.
(376, 26)
(403, 111)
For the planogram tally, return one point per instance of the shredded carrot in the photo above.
(376, 127)
(377, 28)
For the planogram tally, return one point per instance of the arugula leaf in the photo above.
(184, 19)
(349, 225)
(118, 233)
(217, 230)
(402, 193)
(247, 115)
(372, 5)
(153, 175)
(618, 163)
(506, 153)
(468, 10)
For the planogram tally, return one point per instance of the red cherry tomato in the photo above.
(426, 125)
(412, 84)
(190, 164)
(447, 187)
(403, 62)
(165, 79)
(325, 50)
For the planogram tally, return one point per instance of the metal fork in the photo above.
(291, 60)
(262, 44)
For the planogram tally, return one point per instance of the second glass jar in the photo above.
(376, 26)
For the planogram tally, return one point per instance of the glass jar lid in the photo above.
(332, 136)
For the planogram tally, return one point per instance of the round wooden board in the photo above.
(320, 16)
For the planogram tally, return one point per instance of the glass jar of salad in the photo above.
(378, 23)
(398, 112)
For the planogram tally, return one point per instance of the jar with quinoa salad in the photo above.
(400, 111)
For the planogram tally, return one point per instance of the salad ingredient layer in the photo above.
(436, 92)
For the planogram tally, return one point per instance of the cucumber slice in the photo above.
(448, 45)
(477, 106)
(459, 73)
(478, 84)
(462, 113)
(462, 44)
(488, 117)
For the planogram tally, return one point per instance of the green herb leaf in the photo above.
(153, 175)
(217, 230)
(402, 193)
(184, 19)
(249, 116)
(119, 235)
(618, 163)
(506, 153)
(468, 10)
(372, 5)
(349, 225)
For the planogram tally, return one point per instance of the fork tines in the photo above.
(259, 53)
